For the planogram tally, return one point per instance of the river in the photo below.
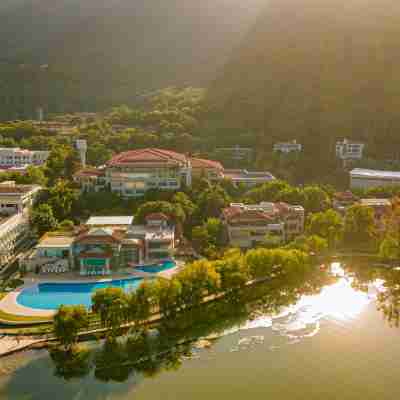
(333, 344)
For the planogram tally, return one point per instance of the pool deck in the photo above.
(10, 305)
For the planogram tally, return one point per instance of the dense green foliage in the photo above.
(68, 321)
(77, 55)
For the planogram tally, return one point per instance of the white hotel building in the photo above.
(16, 157)
(15, 201)
(370, 178)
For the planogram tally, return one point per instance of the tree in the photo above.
(111, 305)
(328, 225)
(233, 271)
(66, 225)
(211, 202)
(42, 219)
(210, 234)
(316, 199)
(143, 301)
(168, 294)
(174, 211)
(61, 198)
(68, 322)
(198, 280)
(309, 244)
(360, 225)
(61, 163)
(267, 192)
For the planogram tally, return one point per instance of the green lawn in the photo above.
(19, 318)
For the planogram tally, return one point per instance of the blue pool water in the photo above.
(163, 266)
(50, 296)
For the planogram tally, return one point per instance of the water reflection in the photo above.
(290, 312)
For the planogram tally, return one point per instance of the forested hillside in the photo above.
(100, 53)
(316, 71)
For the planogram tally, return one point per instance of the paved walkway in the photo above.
(10, 344)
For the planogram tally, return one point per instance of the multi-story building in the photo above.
(248, 178)
(16, 198)
(132, 173)
(91, 179)
(106, 244)
(369, 178)
(250, 225)
(15, 202)
(16, 157)
(287, 147)
(346, 150)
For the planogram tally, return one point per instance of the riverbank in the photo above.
(156, 317)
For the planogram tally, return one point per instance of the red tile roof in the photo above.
(156, 216)
(238, 212)
(203, 163)
(149, 155)
(89, 172)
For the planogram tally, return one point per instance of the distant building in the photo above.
(287, 147)
(369, 178)
(248, 178)
(16, 157)
(91, 179)
(346, 150)
(250, 225)
(15, 203)
(104, 222)
(15, 198)
(81, 146)
(236, 153)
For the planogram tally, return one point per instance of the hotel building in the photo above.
(16, 157)
(250, 225)
(106, 244)
(15, 202)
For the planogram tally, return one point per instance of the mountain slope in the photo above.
(102, 52)
(317, 70)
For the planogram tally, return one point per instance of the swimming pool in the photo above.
(155, 268)
(50, 296)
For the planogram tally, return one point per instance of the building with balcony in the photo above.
(15, 202)
(248, 178)
(250, 225)
(15, 157)
(91, 179)
(105, 245)
(346, 150)
(287, 147)
(132, 173)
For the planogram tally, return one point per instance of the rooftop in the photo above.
(373, 173)
(375, 202)
(90, 172)
(237, 174)
(149, 155)
(203, 163)
(111, 221)
(9, 187)
(56, 240)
